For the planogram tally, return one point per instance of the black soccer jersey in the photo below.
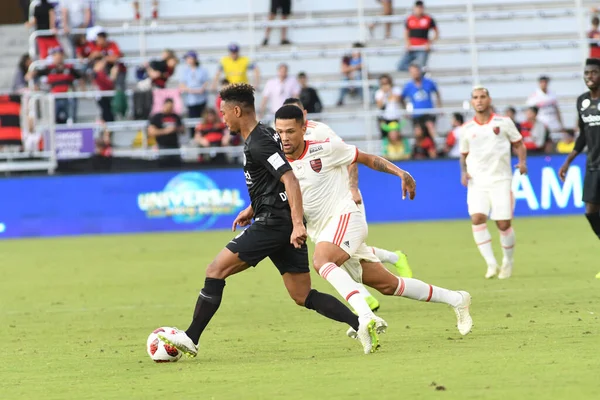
(589, 129)
(264, 164)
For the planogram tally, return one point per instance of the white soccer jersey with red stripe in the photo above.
(322, 171)
(488, 148)
(318, 131)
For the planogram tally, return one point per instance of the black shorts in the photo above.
(591, 187)
(260, 241)
(423, 119)
(284, 5)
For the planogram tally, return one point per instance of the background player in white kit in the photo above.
(337, 226)
(318, 131)
(486, 170)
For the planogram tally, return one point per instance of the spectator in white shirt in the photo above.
(278, 89)
(76, 14)
(387, 98)
(547, 104)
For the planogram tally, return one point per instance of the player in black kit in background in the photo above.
(589, 135)
(278, 230)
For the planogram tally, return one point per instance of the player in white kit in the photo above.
(318, 131)
(337, 226)
(486, 171)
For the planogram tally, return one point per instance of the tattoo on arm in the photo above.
(353, 175)
(380, 165)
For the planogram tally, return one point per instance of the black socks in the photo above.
(331, 308)
(207, 305)
(594, 220)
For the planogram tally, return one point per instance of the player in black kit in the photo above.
(278, 231)
(589, 136)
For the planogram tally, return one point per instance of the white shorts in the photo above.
(349, 232)
(496, 200)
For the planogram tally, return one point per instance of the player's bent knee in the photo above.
(503, 225)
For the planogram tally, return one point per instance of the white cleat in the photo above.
(492, 271)
(179, 339)
(505, 271)
(380, 325)
(367, 335)
(351, 333)
(464, 322)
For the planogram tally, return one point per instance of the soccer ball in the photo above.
(160, 351)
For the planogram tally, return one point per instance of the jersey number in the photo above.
(283, 196)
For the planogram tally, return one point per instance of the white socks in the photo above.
(507, 240)
(346, 287)
(385, 256)
(364, 292)
(419, 290)
(483, 239)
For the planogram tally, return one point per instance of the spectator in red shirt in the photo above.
(60, 78)
(166, 127)
(111, 53)
(43, 19)
(105, 81)
(102, 160)
(535, 133)
(416, 37)
(160, 71)
(452, 149)
(424, 146)
(83, 48)
(211, 132)
(594, 38)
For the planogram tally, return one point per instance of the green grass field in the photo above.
(75, 314)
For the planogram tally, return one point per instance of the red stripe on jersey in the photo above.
(355, 156)
(490, 120)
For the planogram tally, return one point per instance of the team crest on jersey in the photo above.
(496, 130)
(316, 165)
(585, 104)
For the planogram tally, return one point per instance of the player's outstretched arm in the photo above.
(521, 152)
(294, 195)
(381, 164)
(353, 178)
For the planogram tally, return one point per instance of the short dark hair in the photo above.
(544, 78)
(168, 100)
(293, 101)
(240, 93)
(290, 112)
(593, 61)
(511, 109)
(388, 77)
(459, 117)
(534, 109)
(419, 4)
(302, 75)
(102, 35)
(595, 21)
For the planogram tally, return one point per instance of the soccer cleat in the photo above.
(351, 333)
(464, 322)
(402, 266)
(505, 271)
(179, 339)
(372, 302)
(367, 335)
(492, 271)
(380, 325)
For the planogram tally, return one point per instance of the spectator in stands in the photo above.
(224, 84)
(76, 14)
(212, 132)
(285, 6)
(534, 132)
(594, 38)
(511, 113)
(567, 143)
(387, 10)
(351, 69)
(19, 81)
(165, 127)
(236, 67)
(105, 81)
(60, 79)
(419, 93)
(159, 71)
(424, 146)
(452, 148)
(396, 147)
(547, 104)
(416, 37)
(83, 48)
(278, 89)
(43, 19)
(194, 81)
(110, 51)
(309, 96)
(387, 98)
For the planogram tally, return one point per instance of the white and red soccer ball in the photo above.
(160, 351)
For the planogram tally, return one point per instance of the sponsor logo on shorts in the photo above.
(316, 165)
(346, 243)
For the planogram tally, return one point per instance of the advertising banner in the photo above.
(72, 142)
(183, 201)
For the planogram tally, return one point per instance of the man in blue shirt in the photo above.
(193, 85)
(419, 93)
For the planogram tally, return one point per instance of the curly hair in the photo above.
(240, 93)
